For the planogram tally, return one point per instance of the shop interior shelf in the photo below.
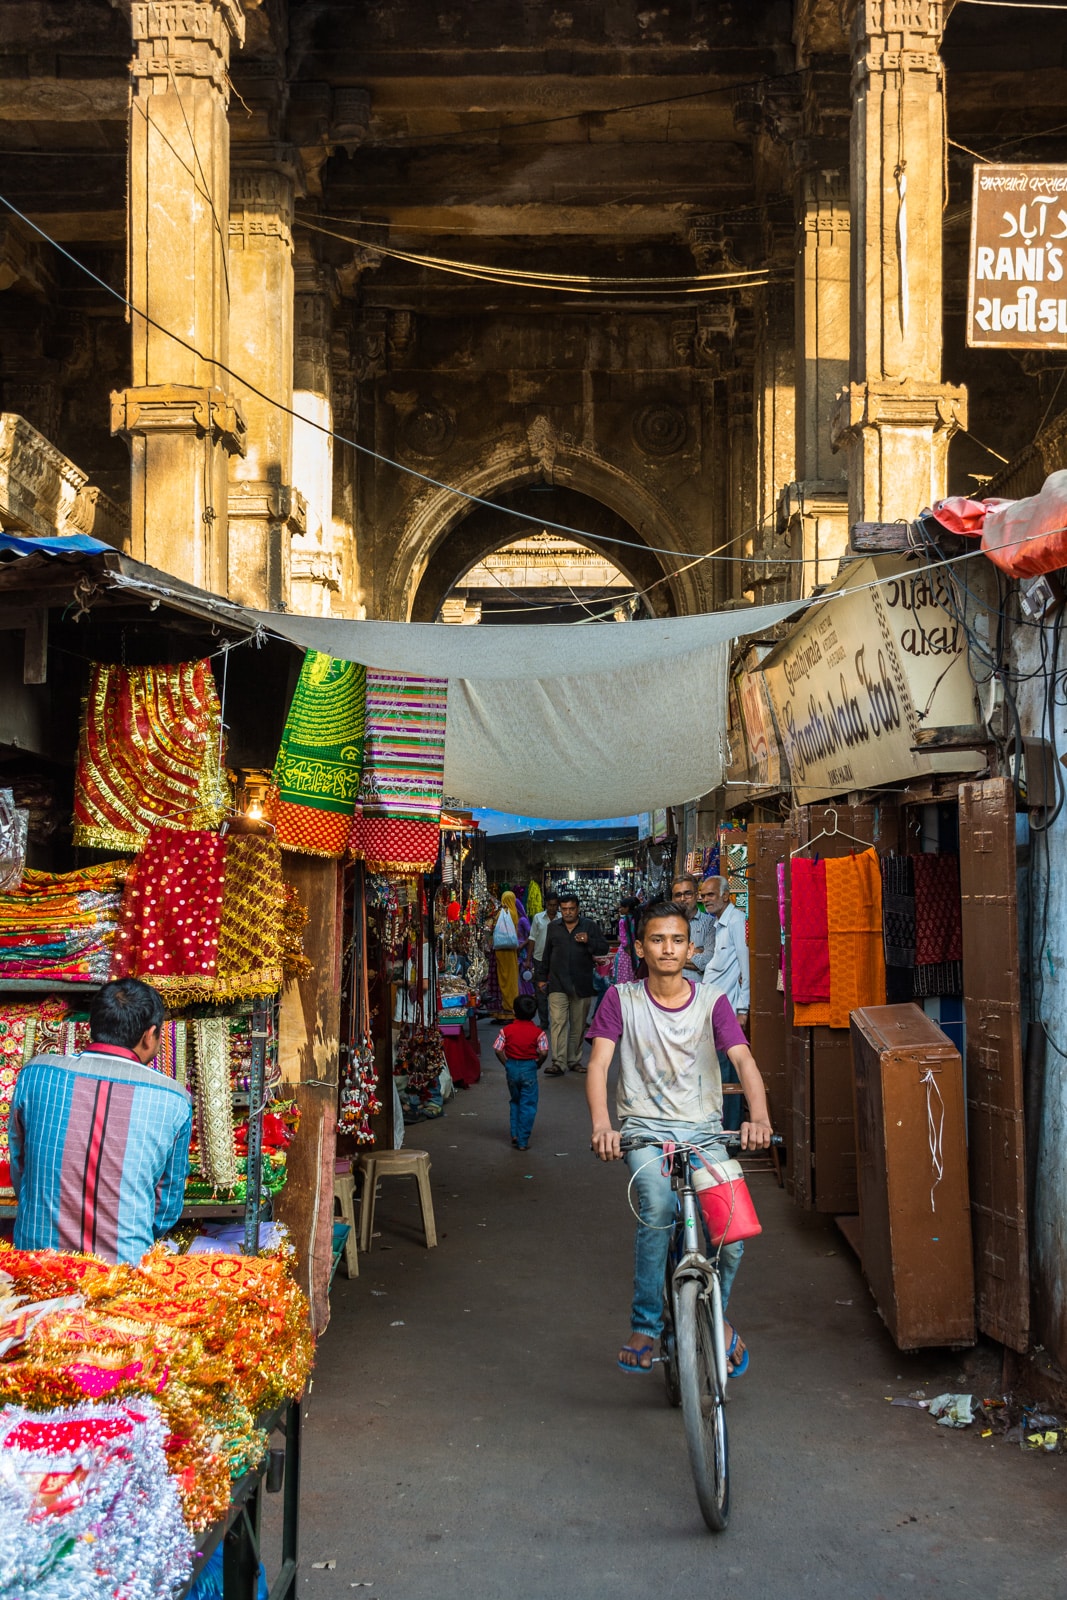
(46, 986)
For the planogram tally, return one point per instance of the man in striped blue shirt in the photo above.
(100, 1141)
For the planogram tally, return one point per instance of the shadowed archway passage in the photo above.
(487, 529)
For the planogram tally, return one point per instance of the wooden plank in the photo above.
(995, 1118)
(309, 1026)
(35, 647)
(768, 1026)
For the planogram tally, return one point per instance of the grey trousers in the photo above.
(567, 1019)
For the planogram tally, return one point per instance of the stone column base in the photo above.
(897, 436)
(263, 518)
(814, 514)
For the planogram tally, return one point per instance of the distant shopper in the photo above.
(521, 1047)
(626, 962)
(538, 934)
(684, 893)
(728, 970)
(566, 970)
(100, 1141)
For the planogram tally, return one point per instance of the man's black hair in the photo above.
(552, 894)
(525, 1008)
(123, 1012)
(568, 894)
(659, 912)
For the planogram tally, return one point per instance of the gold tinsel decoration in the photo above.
(295, 918)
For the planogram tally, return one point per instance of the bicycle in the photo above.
(694, 1359)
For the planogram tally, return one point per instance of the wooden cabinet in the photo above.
(915, 1221)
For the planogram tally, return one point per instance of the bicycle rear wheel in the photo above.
(703, 1408)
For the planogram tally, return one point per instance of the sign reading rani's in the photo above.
(1017, 285)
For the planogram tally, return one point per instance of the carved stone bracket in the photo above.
(370, 348)
(22, 261)
(261, 207)
(44, 494)
(180, 408)
(185, 39)
(315, 565)
(942, 407)
(269, 502)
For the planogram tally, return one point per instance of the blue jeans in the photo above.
(522, 1087)
(655, 1201)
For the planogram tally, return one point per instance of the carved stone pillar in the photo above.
(179, 416)
(741, 491)
(774, 397)
(315, 567)
(264, 511)
(896, 417)
(815, 507)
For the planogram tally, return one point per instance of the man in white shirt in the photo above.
(728, 969)
(536, 947)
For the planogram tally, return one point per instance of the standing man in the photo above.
(565, 972)
(701, 925)
(538, 934)
(100, 1141)
(728, 970)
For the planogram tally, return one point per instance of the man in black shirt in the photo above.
(566, 971)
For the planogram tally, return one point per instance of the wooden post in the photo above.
(308, 1041)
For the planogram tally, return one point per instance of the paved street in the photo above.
(470, 1438)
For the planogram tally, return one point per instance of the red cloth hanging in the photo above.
(809, 940)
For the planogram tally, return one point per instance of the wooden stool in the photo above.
(378, 1164)
(344, 1189)
(759, 1160)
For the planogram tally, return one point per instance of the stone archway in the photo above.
(436, 514)
(485, 529)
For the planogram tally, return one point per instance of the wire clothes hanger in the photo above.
(830, 833)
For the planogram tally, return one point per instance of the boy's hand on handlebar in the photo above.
(756, 1135)
(605, 1143)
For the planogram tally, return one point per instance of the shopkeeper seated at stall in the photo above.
(100, 1141)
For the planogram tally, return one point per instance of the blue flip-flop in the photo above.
(625, 1366)
(742, 1366)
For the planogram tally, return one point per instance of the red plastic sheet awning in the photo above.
(1023, 537)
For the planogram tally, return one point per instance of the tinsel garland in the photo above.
(87, 1509)
(213, 1101)
(295, 918)
(215, 1339)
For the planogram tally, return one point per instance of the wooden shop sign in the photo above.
(856, 683)
(1017, 283)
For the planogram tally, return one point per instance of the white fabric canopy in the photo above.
(564, 722)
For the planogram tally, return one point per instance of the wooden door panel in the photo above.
(995, 1119)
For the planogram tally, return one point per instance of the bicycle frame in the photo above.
(691, 1262)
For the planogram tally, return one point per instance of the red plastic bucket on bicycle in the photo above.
(729, 1212)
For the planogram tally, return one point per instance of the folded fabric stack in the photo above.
(61, 926)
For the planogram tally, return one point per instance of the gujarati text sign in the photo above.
(1017, 285)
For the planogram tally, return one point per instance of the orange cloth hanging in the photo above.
(854, 920)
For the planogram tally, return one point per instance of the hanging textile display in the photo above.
(148, 754)
(938, 925)
(397, 822)
(250, 928)
(854, 921)
(317, 773)
(809, 943)
(213, 1102)
(898, 914)
(169, 928)
(87, 1507)
(61, 925)
(27, 1029)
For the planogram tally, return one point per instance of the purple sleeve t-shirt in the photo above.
(607, 1024)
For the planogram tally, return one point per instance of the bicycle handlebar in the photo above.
(728, 1140)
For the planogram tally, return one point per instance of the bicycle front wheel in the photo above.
(703, 1408)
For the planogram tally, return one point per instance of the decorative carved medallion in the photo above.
(659, 429)
(429, 431)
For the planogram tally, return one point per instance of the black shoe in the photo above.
(515, 1144)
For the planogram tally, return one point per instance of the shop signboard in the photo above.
(1017, 284)
(764, 759)
(862, 674)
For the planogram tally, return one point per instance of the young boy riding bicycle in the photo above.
(669, 1031)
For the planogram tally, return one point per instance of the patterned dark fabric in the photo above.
(938, 926)
(898, 911)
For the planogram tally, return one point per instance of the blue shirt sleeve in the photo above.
(170, 1191)
(15, 1134)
